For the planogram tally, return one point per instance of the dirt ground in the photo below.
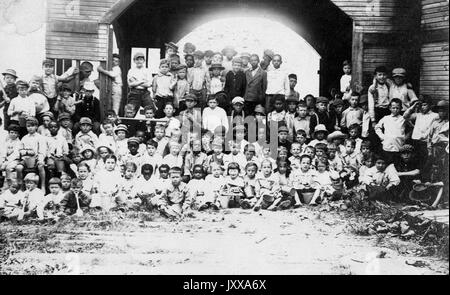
(301, 241)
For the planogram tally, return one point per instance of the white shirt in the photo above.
(345, 82)
(40, 102)
(140, 74)
(214, 118)
(216, 85)
(393, 136)
(21, 104)
(277, 82)
(422, 125)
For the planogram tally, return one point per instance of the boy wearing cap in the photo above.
(180, 87)
(50, 81)
(35, 94)
(322, 116)
(229, 53)
(21, 106)
(245, 57)
(235, 81)
(10, 92)
(399, 88)
(198, 78)
(378, 95)
(9, 155)
(255, 89)
(422, 123)
(139, 80)
(216, 84)
(267, 58)
(65, 127)
(237, 115)
(58, 148)
(65, 102)
(161, 87)
(191, 117)
(438, 137)
(171, 48)
(89, 107)
(34, 151)
(116, 75)
(85, 136)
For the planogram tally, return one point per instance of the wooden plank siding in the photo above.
(434, 52)
(66, 39)
(378, 15)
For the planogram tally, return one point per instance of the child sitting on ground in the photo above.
(214, 182)
(250, 198)
(10, 201)
(106, 185)
(76, 200)
(144, 188)
(304, 180)
(53, 200)
(232, 190)
(127, 197)
(33, 200)
(289, 193)
(174, 200)
(197, 188)
(381, 180)
(267, 188)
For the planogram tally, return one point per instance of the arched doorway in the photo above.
(149, 24)
(254, 35)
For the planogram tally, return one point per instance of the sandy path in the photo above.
(231, 242)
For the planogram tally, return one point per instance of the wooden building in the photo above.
(408, 33)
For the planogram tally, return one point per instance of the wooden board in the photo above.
(441, 216)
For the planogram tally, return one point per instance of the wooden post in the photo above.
(77, 76)
(357, 56)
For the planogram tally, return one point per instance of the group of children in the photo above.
(191, 139)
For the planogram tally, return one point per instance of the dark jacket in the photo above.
(327, 118)
(256, 86)
(69, 202)
(88, 108)
(235, 84)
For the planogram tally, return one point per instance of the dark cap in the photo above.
(63, 116)
(48, 62)
(322, 99)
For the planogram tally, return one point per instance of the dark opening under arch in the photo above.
(328, 29)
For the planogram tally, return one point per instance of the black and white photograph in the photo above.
(224, 138)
